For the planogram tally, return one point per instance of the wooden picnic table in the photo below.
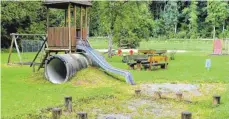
(152, 51)
(140, 59)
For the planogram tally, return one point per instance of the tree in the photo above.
(94, 19)
(21, 17)
(125, 20)
(217, 13)
(170, 16)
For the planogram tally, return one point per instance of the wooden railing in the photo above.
(58, 37)
(84, 34)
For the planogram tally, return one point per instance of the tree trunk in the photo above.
(175, 28)
(110, 46)
(214, 32)
(223, 28)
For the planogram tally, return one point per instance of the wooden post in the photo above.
(186, 115)
(216, 99)
(86, 20)
(47, 20)
(18, 51)
(75, 22)
(179, 95)
(11, 47)
(81, 23)
(157, 94)
(75, 16)
(65, 18)
(42, 46)
(56, 113)
(68, 103)
(137, 91)
(82, 115)
(69, 28)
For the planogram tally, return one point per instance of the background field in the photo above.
(25, 94)
(179, 44)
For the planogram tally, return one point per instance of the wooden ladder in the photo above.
(43, 61)
(43, 44)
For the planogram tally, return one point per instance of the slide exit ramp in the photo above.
(100, 60)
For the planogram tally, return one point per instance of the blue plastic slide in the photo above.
(100, 60)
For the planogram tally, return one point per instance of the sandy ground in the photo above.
(148, 104)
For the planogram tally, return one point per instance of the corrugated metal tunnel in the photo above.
(60, 68)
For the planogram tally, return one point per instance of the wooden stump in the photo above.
(186, 115)
(56, 113)
(82, 115)
(216, 99)
(137, 91)
(157, 94)
(68, 103)
(179, 95)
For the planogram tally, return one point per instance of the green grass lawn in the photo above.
(25, 94)
(179, 44)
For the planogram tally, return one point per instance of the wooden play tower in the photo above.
(64, 39)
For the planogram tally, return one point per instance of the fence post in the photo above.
(68, 103)
(82, 115)
(216, 99)
(186, 115)
(56, 113)
(137, 91)
(179, 95)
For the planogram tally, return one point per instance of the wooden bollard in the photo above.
(82, 115)
(56, 113)
(179, 95)
(216, 99)
(68, 103)
(157, 94)
(137, 91)
(186, 115)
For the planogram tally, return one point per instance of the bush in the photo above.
(181, 34)
(224, 34)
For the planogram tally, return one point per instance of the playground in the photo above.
(65, 74)
(93, 89)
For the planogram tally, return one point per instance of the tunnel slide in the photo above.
(60, 68)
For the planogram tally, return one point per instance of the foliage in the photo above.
(117, 20)
(21, 17)
(170, 17)
(217, 13)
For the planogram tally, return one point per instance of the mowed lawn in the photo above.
(178, 44)
(25, 92)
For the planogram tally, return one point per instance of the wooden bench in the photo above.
(146, 65)
(131, 65)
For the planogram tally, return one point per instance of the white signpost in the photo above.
(208, 64)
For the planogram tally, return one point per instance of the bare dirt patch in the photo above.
(114, 116)
(169, 90)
